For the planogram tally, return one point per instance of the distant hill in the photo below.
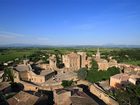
(19, 45)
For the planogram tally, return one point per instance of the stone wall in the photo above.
(62, 98)
(96, 90)
(29, 86)
(38, 79)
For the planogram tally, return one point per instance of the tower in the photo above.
(52, 62)
(98, 54)
(82, 59)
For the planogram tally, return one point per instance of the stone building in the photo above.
(134, 79)
(118, 80)
(121, 79)
(83, 58)
(52, 62)
(58, 94)
(72, 61)
(98, 55)
(5, 87)
(26, 73)
(88, 62)
(103, 64)
(72, 96)
(23, 98)
(112, 62)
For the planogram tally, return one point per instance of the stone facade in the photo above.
(25, 72)
(96, 90)
(61, 97)
(23, 98)
(112, 62)
(72, 96)
(98, 56)
(83, 59)
(72, 61)
(75, 61)
(118, 80)
(103, 64)
(52, 62)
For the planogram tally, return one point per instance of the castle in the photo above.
(75, 61)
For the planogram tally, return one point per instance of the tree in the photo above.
(113, 70)
(94, 75)
(128, 95)
(8, 73)
(82, 73)
(94, 65)
(66, 83)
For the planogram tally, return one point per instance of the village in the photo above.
(47, 84)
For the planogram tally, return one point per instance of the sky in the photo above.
(70, 22)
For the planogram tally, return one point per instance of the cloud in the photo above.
(9, 35)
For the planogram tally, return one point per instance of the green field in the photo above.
(133, 63)
(12, 54)
(133, 55)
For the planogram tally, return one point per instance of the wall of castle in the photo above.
(37, 79)
(72, 61)
(29, 86)
(102, 95)
(62, 99)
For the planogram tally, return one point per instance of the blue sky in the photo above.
(70, 22)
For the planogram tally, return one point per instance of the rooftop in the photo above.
(45, 72)
(72, 54)
(22, 67)
(82, 100)
(4, 85)
(1, 72)
(121, 76)
(23, 98)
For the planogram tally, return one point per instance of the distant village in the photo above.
(42, 82)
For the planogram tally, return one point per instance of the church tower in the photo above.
(98, 54)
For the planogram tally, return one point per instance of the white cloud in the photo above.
(9, 35)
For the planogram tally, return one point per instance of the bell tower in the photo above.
(98, 54)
